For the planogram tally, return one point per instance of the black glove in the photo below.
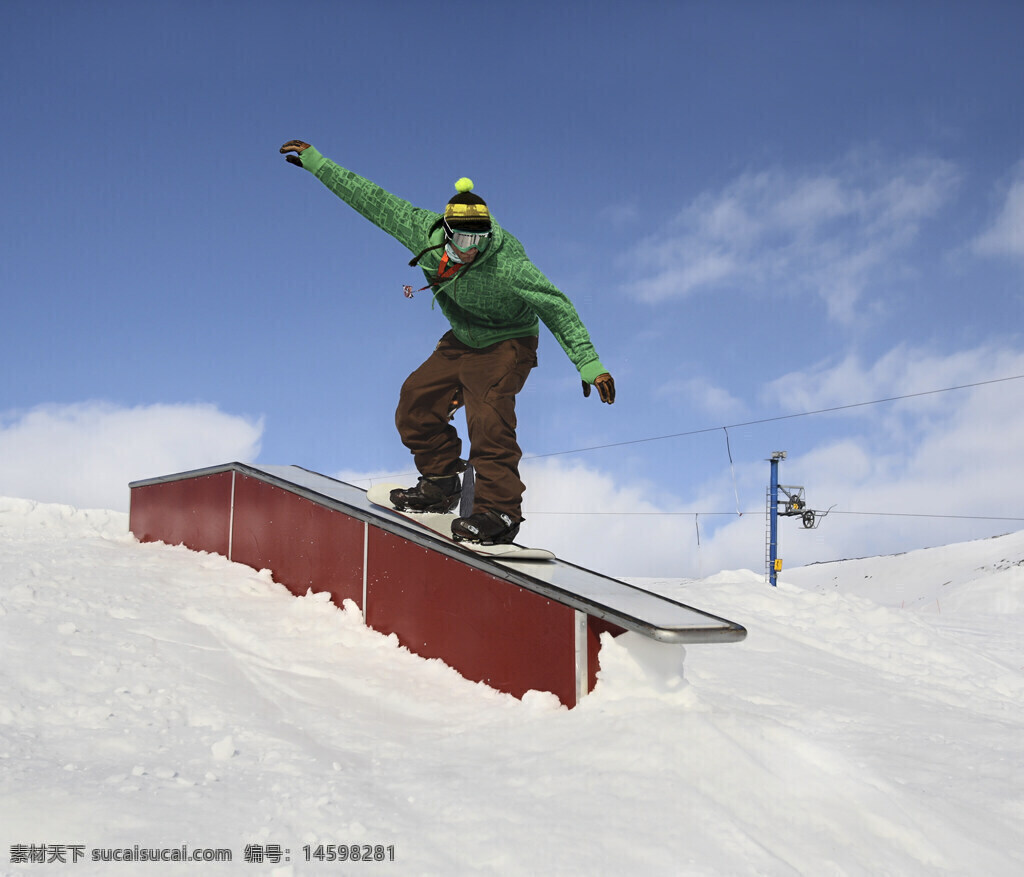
(605, 387)
(296, 146)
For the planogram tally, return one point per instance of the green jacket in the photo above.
(498, 296)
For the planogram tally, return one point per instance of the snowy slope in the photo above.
(872, 723)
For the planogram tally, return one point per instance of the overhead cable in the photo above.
(658, 438)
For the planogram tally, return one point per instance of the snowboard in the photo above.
(441, 525)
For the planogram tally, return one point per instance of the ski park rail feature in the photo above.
(514, 624)
(618, 602)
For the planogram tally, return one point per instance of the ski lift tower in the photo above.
(773, 562)
(794, 505)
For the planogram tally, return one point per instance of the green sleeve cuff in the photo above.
(312, 160)
(592, 371)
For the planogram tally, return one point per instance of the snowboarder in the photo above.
(492, 295)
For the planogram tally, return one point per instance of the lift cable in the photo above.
(708, 429)
(833, 512)
(831, 410)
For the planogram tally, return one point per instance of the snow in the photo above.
(870, 724)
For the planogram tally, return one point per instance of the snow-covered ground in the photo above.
(872, 723)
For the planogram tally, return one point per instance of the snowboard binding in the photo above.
(440, 494)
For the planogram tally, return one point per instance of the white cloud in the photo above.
(900, 372)
(365, 480)
(943, 454)
(587, 517)
(85, 454)
(1005, 236)
(829, 234)
(698, 393)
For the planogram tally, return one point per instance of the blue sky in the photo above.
(759, 209)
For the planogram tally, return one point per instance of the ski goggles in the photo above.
(464, 241)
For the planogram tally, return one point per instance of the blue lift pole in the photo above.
(773, 520)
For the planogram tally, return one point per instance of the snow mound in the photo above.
(871, 723)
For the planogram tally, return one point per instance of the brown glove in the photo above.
(296, 146)
(605, 387)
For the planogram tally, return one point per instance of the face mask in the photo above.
(453, 254)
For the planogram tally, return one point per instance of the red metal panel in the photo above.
(194, 512)
(304, 544)
(488, 629)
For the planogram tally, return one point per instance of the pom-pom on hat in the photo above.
(466, 211)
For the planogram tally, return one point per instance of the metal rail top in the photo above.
(618, 602)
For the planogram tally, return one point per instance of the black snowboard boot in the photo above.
(487, 528)
(432, 493)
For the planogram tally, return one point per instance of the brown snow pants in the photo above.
(487, 379)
